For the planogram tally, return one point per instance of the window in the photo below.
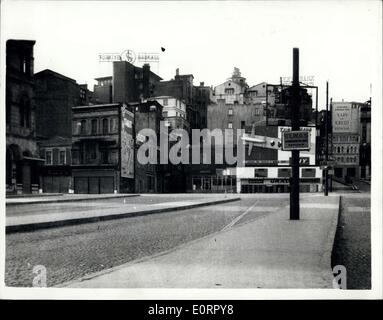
(165, 102)
(165, 114)
(229, 91)
(260, 173)
(230, 125)
(308, 173)
(62, 157)
(230, 111)
(94, 126)
(113, 125)
(105, 127)
(83, 127)
(284, 173)
(243, 125)
(48, 157)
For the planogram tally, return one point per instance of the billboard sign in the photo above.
(127, 144)
(345, 118)
(295, 140)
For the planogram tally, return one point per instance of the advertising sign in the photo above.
(127, 144)
(345, 118)
(295, 140)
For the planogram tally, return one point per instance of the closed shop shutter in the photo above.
(81, 184)
(106, 184)
(94, 185)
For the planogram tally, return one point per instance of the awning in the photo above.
(33, 159)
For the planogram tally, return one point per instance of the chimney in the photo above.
(177, 72)
(202, 84)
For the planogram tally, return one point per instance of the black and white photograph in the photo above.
(191, 150)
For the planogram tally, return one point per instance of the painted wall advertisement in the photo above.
(345, 118)
(127, 144)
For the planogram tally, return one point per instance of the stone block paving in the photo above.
(352, 246)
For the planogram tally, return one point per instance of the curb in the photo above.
(68, 222)
(326, 258)
(69, 200)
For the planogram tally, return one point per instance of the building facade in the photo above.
(22, 156)
(55, 96)
(346, 139)
(102, 149)
(56, 171)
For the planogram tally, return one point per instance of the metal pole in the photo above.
(326, 134)
(294, 189)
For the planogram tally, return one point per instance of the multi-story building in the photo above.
(233, 90)
(202, 98)
(131, 83)
(102, 149)
(56, 171)
(103, 90)
(267, 168)
(55, 96)
(346, 139)
(365, 141)
(181, 87)
(149, 178)
(22, 157)
(173, 112)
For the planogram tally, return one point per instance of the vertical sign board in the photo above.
(345, 118)
(127, 144)
(295, 140)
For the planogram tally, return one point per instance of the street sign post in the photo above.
(295, 140)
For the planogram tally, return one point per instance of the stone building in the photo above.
(346, 139)
(55, 96)
(22, 157)
(102, 149)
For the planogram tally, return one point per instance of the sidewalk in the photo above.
(270, 252)
(92, 212)
(51, 198)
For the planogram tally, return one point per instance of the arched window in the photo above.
(94, 126)
(105, 127)
(83, 127)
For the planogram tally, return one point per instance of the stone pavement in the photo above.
(96, 212)
(269, 252)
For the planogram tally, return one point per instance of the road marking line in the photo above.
(233, 222)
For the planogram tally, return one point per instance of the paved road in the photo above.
(74, 251)
(352, 246)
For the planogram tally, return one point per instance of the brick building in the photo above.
(22, 157)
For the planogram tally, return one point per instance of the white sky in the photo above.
(338, 40)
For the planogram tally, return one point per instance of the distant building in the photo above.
(55, 96)
(233, 90)
(181, 87)
(173, 112)
(148, 178)
(131, 83)
(365, 141)
(86, 96)
(346, 139)
(103, 90)
(22, 157)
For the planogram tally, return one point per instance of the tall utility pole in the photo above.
(295, 115)
(326, 134)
